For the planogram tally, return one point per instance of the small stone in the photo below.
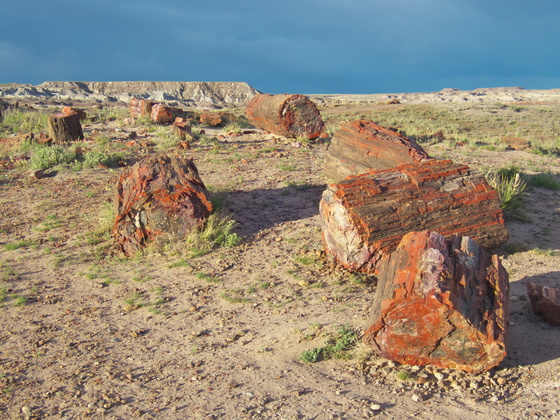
(421, 380)
(474, 385)
(439, 376)
(26, 411)
(416, 398)
(375, 407)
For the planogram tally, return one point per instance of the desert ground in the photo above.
(177, 334)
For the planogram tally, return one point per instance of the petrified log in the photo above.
(140, 107)
(364, 217)
(70, 110)
(361, 146)
(545, 301)
(161, 114)
(159, 195)
(182, 129)
(65, 127)
(439, 302)
(210, 119)
(285, 115)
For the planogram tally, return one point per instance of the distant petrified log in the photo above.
(361, 146)
(70, 110)
(210, 119)
(140, 107)
(364, 217)
(439, 302)
(161, 114)
(285, 115)
(159, 195)
(65, 127)
(545, 301)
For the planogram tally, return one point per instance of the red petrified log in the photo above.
(64, 128)
(545, 301)
(212, 120)
(81, 113)
(439, 302)
(140, 107)
(159, 195)
(285, 115)
(364, 217)
(161, 114)
(361, 146)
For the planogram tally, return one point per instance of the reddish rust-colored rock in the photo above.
(210, 119)
(285, 115)
(545, 301)
(140, 107)
(70, 110)
(65, 128)
(159, 195)
(364, 217)
(361, 146)
(443, 303)
(161, 114)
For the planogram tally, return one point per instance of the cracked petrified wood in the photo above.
(160, 195)
(439, 302)
(361, 146)
(285, 115)
(364, 217)
(65, 127)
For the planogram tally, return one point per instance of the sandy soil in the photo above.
(166, 336)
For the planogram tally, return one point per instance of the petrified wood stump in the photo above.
(439, 302)
(140, 107)
(65, 127)
(159, 195)
(364, 217)
(545, 301)
(285, 115)
(361, 146)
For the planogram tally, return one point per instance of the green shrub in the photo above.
(337, 347)
(94, 158)
(49, 157)
(510, 187)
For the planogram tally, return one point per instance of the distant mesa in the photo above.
(184, 93)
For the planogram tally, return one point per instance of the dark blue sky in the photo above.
(289, 46)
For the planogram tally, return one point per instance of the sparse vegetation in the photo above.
(337, 347)
(510, 187)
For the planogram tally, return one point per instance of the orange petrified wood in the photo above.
(361, 146)
(285, 115)
(439, 302)
(364, 217)
(159, 195)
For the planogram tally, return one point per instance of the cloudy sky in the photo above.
(286, 46)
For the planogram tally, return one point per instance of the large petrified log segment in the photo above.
(439, 302)
(285, 115)
(140, 107)
(161, 114)
(361, 146)
(364, 217)
(159, 195)
(545, 301)
(65, 127)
